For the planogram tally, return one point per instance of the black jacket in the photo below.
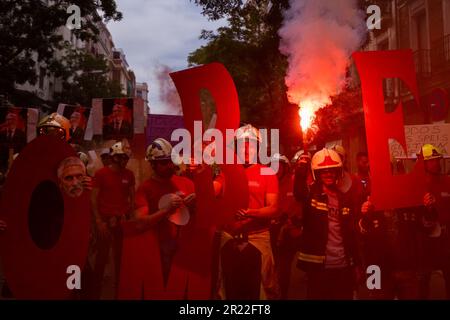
(315, 225)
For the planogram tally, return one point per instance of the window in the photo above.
(421, 23)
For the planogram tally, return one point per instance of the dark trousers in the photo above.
(113, 240)
(425, 278)
(436, 257)
(285, 257)
(330, 284)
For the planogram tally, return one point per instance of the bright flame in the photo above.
(307, 110)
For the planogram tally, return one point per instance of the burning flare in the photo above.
(318, 37)
(307, 110)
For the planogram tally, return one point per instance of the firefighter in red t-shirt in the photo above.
(112, 203)
(164, 201)
(251, 247)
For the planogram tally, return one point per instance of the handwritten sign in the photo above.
(417, 135)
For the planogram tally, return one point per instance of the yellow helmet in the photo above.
(428, 152)
(54, 124)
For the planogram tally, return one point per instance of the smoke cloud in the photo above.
(318, 37)
(167, 92)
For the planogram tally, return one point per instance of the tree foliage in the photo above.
(86, 78)
(248, 47)
(28, 34)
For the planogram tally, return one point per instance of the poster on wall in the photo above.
(117, 119)
(13, 134)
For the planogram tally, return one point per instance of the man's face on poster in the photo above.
(71, 180)
(118, 112)
(11, 120)
(75, 119)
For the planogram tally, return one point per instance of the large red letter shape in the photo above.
(388, 191)
(32, 272)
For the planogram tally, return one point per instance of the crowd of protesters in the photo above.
(312, 214)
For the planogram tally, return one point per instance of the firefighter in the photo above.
(328, 252)
(286, 230)
(165, 201)
(105, 157)
(112, 203)
(437, 203)
(58, 126)
(302, 160)
(246, 243)
(394, 241)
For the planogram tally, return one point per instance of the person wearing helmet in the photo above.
(112, 202)
(165, 201)
(251, 229)
(328, 251)
(437, 203)
(403, 241)
(105, 157)
(286, 229)
(55, 125)
(83, 157)
(345, 182)
(299, 160)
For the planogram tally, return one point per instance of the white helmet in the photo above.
(300, 154)
(83, 157)
(119, 148)
(248, 132)
(340, 150)
(281, 158)
(325, 159)
(160, 149)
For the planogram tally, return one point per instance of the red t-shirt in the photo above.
(150, 192)
(259, 186)
(114, 191)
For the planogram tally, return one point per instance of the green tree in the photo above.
(28, 35)
(248, 48)
(86, 78)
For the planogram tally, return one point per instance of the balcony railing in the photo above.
(440, 54)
